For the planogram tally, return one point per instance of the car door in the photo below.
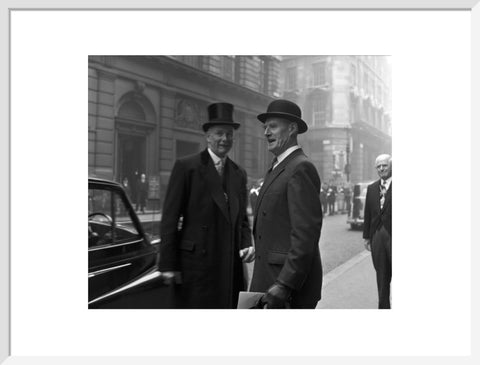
(122, 264)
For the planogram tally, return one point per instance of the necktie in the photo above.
(383, 191)
(274, 161)
(219, 167)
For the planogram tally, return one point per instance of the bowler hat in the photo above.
(220, 114)
(287, 110)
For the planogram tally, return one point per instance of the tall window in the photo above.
(263, 87)
(365, 82)
(319, 76)
(353, 75)
(194, 61)
(291, 78)
(228, 67)
(319, 110)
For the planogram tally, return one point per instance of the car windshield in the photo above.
(109, 219)
(360, 190)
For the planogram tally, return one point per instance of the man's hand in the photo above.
(247, 254)
(277, 296)
(367, 245)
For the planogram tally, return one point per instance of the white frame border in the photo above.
(75, 5)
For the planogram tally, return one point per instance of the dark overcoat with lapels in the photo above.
(287, 225)
(204, 225)
(374, 217)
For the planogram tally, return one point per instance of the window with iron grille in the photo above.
(194, 61)
(319, 76)
(319, 112)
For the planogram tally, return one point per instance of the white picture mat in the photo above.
(431, 88)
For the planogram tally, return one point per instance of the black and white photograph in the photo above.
(215, 175)
(240, 158)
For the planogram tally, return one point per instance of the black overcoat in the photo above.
(374, 217)
(204, 225)
(287, 225)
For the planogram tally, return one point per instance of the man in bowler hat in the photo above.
(205, 234)
(377, 227)
(288, 216)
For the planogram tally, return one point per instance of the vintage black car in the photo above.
(122, 259)
(359, 194)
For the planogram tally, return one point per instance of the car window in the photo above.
(360, 190)
(109, 220)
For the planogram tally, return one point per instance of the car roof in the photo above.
(365, 183)
(103, 181)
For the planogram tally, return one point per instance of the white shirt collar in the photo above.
(387, 182)
(215, 158)
(285, 154)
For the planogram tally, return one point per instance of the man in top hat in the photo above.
(288, 216)
(205, 233)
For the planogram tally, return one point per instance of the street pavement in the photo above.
(349, 280)
(351, 285)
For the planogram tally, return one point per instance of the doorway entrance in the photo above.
(131, 157)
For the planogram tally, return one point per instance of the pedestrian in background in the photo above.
(208, 192)
(347, 194)
(323, 200)
(142, 192)
(331, 200)
(288, 218)
(377, 228)
(126, 187)
(340, 201)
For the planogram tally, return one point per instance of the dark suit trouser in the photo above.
(381, 246)
(310, 305)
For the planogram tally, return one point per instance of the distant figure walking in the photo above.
(323, 200)
(331, 201)
(142, 191)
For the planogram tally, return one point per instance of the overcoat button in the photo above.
(259, 236)
(264, 213)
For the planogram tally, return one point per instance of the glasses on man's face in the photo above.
(382, 167)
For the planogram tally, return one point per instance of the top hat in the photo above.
(220, 114)
(287, 110)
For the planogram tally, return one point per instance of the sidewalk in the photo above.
(351, 285)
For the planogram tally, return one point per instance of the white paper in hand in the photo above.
(248, 300)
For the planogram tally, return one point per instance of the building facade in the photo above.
(144, 112)
(346, 101)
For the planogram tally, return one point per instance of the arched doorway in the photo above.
(134, 126)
